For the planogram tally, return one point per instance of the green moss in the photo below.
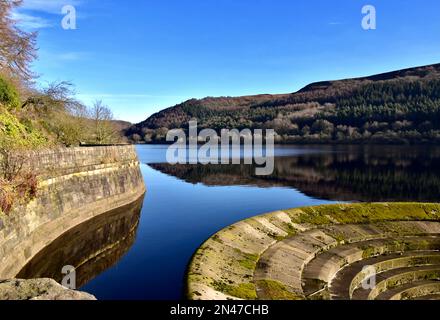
(249, 261)
(366, 213)
(340, 237)
(313, 216)
(242, 291)
(369, 252)
(8, 94)
(290, 229)
(276, 290)
(13, 133)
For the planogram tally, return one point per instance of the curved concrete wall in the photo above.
(278, 255)
(75, 185)
(91, 248)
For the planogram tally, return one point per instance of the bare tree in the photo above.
(61, 113)
(17, 48)
(57, 96)
(104, 131)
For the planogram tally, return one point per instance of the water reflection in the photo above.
(188, 203)
(91, 247)
(345, 173)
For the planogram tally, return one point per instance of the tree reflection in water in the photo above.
(346, 173)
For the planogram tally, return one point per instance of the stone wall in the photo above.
(75, 185)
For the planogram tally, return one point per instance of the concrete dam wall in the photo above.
(75, 185)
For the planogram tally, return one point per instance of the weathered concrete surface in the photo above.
(391, 267)
(75, 185)
(296, 254)
(39, 289)
(91, 247)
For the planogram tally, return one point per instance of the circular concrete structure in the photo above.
(384, 251)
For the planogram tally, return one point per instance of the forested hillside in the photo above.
(395, 107)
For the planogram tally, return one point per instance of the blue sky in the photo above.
(140, 56)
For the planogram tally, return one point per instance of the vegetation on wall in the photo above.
(16, 137)
(17, 184)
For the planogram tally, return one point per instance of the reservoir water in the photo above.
(142, 251)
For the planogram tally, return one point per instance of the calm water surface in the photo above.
(185, 204)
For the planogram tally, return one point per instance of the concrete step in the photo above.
(411, 290)
(343, 285)
(397, 277)
(326, 265)
(307, 262)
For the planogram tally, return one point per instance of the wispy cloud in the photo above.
(38, 14)
(30, 22)
(48, 6)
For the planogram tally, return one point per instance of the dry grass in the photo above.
(16, 184)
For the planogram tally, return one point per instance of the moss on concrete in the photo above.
(365, 213)
(277, 291)
(244, 291)
(250, 261)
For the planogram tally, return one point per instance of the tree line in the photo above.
(398, 110)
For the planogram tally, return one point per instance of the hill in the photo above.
(394, 107)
